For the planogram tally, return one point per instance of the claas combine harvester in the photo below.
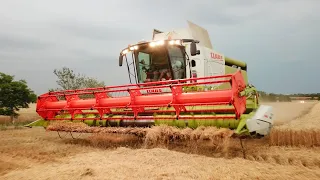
(176, 79)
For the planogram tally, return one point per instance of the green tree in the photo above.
(14, 95)
(68, 80)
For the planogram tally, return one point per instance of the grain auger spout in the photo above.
(175, 81)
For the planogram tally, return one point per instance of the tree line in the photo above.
(273, 97)
(15, 94)
(311, 95)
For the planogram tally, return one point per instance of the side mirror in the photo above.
(193, 49)
(120, 60)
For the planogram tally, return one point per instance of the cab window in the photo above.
(177, 61)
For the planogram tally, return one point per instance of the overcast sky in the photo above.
(279, 39)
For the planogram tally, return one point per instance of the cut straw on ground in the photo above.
(156, 136)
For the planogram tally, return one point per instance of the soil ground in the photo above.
(38, 154)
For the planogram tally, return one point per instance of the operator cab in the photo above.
(157, 61)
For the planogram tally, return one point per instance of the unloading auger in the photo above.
(169, 85)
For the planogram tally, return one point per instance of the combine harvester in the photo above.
(176, 79)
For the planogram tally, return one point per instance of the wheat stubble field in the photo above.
(37, 154)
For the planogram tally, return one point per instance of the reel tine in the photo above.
(60, 135)
(79, 135)
(71, 135)
(75, 137)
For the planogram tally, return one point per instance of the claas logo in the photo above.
(154, 90)
(216, 56)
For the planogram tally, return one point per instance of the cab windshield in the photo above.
(160, 63)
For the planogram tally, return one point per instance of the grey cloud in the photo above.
(276, 38)
(103, 32)
(8, 42)
(224, 13)
(217, 18)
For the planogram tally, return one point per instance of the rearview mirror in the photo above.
(193, 49)
(120, 60)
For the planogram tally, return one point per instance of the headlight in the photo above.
(125, 51)
(177, 42)
(152, 44)
(160, 43)
(133, 48)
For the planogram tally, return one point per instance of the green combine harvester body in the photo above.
(176, 79)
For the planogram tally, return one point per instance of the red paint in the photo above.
(48, 105)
